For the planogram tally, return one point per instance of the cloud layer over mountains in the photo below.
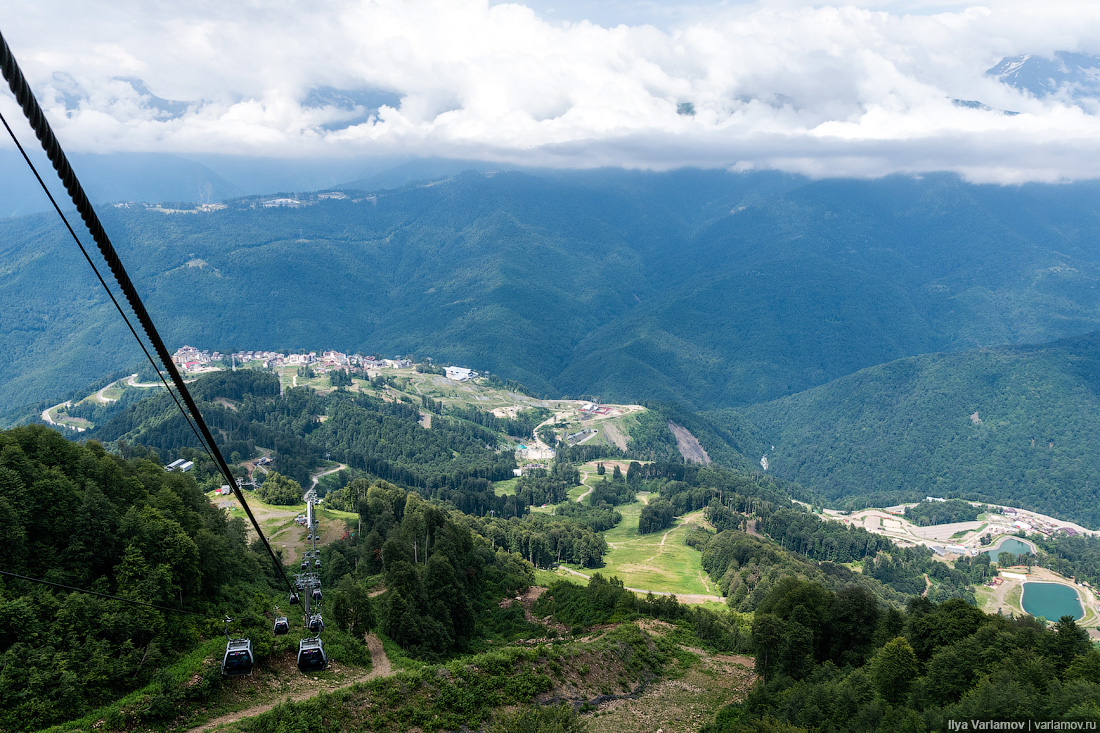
(825, 91)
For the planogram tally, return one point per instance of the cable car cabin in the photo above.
(294, 599)
(305, 564)
(316, 624)
(317, 594)
(281, 627)
(311, 655)
(317, 564)
(238, 657)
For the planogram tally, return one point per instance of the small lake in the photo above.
(1009, 544)
(1052, 601)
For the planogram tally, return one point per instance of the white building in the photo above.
(460, 374)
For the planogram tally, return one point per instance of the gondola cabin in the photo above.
(293, 599)
(238, 657)
(311, 655)
(316, 624)
(282, 626)
(317, 594)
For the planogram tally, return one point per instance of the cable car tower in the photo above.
(311, 650)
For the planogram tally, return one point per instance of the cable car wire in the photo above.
(42, 130)
(104, 595)
(102, 282)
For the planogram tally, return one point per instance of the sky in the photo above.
(862, 89)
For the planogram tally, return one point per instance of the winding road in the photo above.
(131, 381)
(104, 398)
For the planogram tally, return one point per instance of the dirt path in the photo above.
(317, 476)
(380, 667)
(379, 662)
(584, 481)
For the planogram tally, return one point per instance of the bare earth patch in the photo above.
(294, 686)
(611, 432)
(688, 444)
(683, 704)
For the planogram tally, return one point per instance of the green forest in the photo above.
(1016, 426)
(845, 628)
(839, 661)
(508, 273)
(875, 341)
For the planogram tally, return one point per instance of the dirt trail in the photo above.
(317, 476)
(380, 663)
(584, 481)
(380, 667)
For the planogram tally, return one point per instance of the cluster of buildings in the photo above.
(191, 359)
(294, 203)
(1032, 523)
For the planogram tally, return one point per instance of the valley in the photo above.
(558, 367)
(498, 533)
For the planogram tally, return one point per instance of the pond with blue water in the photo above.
(1052, 601)
(1009, 544)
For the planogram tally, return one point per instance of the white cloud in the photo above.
(862, 89)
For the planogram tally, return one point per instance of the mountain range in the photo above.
(712, 290)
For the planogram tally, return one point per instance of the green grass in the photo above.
(113, 393)
(336, 513)
(505, 488)
(546, 577)
(641, 561)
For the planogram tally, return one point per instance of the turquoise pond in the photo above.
(1052, 601)
(1016, 547)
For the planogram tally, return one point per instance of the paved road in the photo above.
(104, 398)
(46, 413)
(131, 381)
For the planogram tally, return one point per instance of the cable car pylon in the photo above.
(311, 650)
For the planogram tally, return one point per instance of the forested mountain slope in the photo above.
(704, 287)
(1014, 425)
